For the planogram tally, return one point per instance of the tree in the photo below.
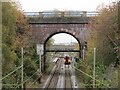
(16, 34)
(105, 36)
(49, 43)
(105, 26)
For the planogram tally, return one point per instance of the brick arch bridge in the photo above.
(46, 24)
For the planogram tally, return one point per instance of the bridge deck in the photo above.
(80, 17)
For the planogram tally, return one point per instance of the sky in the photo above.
(62, 5)
(64, 38)
(81, 5)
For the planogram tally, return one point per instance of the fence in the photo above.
(20, 81)
(61, 14)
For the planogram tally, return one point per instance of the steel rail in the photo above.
(67, 78)
(47, 83)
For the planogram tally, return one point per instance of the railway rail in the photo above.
(62, 76)
(68, 83)
(53, 78)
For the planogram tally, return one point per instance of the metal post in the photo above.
(94, 67)
(1, 46)
(83, 54)
(22, 68)
(40, 61)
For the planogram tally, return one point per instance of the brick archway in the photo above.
(42, 32)
(70, 33)
(46, 24)
(63, 31)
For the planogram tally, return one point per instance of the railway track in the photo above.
(64, 81)
(53, 78)
(68, 83)
(61, 77)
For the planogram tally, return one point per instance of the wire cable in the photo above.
(35, 80)
(11, 72)
(89, 76)
(30, 77)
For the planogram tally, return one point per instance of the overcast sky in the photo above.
(44, 5)
(81, 5)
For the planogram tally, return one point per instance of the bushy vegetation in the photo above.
(107, 35)
(16, 34)
(105, 38)
(48, 54)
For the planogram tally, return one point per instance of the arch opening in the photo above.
(62, 32)
(56, 33)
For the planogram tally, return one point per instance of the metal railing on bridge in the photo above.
(62, 14)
